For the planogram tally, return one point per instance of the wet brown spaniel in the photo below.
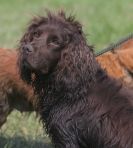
(80, 105)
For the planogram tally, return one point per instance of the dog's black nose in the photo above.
(27, 49)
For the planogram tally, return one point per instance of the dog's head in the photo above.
(41, 46)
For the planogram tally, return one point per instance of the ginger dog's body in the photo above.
(14, 94)
(119, 62)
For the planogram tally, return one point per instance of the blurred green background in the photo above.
(103, 22)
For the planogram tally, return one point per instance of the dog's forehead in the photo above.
(50, 29)
(53, 25)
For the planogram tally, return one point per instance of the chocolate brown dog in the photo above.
(80, 105)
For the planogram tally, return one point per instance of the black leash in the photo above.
(114, 45)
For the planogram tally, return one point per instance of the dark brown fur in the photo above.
(79, 104)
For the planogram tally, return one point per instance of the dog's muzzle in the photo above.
(27, 49)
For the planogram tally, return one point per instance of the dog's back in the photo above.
(113, 113)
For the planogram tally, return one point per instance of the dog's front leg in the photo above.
(69, 144)
(62, 137)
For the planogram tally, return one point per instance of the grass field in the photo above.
(103, 21)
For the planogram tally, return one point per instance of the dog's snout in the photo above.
(27, 49)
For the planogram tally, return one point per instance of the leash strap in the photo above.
(114, 45)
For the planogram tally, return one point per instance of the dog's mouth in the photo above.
(39, 70)
(27, 65)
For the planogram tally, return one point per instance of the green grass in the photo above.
(23, 130)
(103, 21)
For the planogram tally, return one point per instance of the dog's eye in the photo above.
(53, 40)
(36, 34)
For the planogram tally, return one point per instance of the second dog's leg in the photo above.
(4, 109)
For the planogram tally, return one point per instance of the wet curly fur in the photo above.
(79, 104)
(14, 93)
